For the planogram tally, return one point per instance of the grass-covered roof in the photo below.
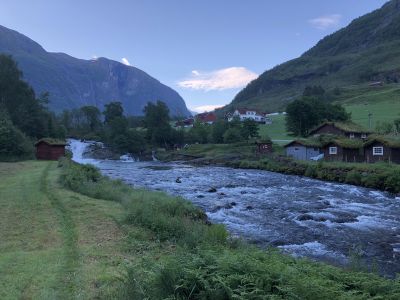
(324, 140)
(349, 127)
(389, 141)
(52, 142)
(347, 143)
(310, 142)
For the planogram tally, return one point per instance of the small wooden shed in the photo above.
(50, 149)
(263, 146)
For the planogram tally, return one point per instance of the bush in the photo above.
(248, 273)
(13, 143)
(392, 182)
(353, 177)
(311, 171)
(233, 135)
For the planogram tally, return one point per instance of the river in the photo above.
(335, 223)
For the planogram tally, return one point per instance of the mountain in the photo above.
(367, 50)
(73, 82)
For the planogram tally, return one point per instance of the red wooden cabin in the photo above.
(50, 149)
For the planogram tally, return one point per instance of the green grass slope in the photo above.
(366, 50)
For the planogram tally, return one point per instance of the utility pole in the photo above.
(369, 119)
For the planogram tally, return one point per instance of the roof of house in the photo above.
(263, 141)
(51, 141)
(311, 142)
(346, 143)
(389, 141)
(243, 111)
(206, 117)
(349, 127)
(327, 139)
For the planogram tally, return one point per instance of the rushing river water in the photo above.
(304, 217)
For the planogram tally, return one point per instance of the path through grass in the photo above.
(55, 244)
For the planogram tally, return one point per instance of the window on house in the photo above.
(363, 135)
(377, 151)
(352, 135)
(332, 150)
(296, 149)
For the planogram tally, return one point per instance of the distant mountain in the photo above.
(74, 82)
(366, 50)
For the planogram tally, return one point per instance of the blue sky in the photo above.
(206, 50)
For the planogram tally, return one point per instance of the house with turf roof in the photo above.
(50, 149)
(382, 148)
(346, 129)
(344, 150)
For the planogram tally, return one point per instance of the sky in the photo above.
(207, 50)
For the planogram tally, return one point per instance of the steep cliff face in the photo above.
(368, 49)
(74, 82)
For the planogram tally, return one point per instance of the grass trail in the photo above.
(54, 243)
(68, 272)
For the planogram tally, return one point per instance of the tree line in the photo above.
(23, 116)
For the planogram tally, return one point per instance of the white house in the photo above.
(244, 114)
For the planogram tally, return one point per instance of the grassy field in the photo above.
(383, 102)
(276, 130)
(55, 244)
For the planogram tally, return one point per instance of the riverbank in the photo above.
(70, 232)
(381, 176)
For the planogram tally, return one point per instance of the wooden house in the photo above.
(263, 147)
(50, 149)
(346, 129)
(206, 118)
(250, 114)
(380, 148)
(342, 149)
(303, 149)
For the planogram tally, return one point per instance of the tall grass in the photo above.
(200, 261)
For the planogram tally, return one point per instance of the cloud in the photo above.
(229, 78)
(204, 108)
(325, 22)
(125, 61)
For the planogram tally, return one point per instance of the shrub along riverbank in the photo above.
(381, 176)
(179, 255)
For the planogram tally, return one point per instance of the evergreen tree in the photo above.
(156, 122)
(249, 129)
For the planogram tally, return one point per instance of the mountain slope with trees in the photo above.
(366, 50)
(73, 82)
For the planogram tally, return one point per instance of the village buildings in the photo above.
(345, 142)
(204, 118)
